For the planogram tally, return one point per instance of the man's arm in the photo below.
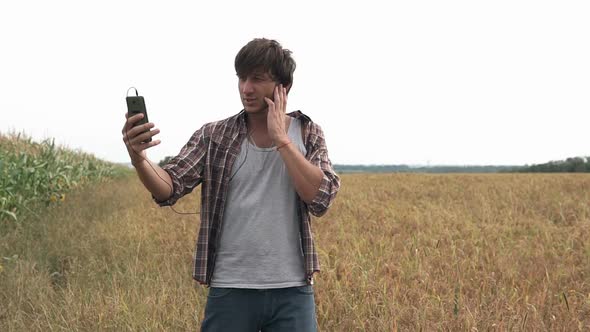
(317, 154)
(176, 179)
(154, 178)
(314, 179)
(305, 176)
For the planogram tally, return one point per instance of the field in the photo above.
(403, 252)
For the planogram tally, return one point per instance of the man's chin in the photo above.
(255, 110)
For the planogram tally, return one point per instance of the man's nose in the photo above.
(247, 86)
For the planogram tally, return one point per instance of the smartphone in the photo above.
(135, 105)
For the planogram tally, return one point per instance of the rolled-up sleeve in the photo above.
(186, 169)
(330, 184)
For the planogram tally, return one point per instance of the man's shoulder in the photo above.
(299, 115)
(311, 127)
(220, 126)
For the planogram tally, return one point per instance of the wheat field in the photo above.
(399, 252)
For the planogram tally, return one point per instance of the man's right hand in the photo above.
(133, 136)
(153, 177)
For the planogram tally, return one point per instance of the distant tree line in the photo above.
(570, 165)
(164, 161)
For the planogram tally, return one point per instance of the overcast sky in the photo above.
(412, 82)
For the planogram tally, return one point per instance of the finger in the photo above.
(270, 103)
(137, 149)
(137, 141)
(139, 129)
(135, 132)
(144, 136)
(284, 99)
(278, 96)
(131, 121)
(149, 144)
(136, 117)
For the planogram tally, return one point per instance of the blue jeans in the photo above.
(280, 309)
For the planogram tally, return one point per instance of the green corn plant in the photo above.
(42, 172)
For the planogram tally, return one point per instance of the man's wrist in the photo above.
(283, 145)
(137, 163)
(282, 141)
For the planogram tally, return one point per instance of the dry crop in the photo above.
(403, 252)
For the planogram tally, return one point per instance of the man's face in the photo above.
(253, 88)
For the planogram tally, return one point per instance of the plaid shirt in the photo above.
(208, 158)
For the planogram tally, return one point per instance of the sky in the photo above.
(390, 82)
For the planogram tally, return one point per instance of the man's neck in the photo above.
(257, 122)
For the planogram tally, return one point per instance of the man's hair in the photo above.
(266, 55)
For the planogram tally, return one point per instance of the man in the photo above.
(262, 173)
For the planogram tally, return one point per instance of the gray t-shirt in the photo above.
(260, 245)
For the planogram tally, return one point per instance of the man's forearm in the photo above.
(155, 179)
(305, 176)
